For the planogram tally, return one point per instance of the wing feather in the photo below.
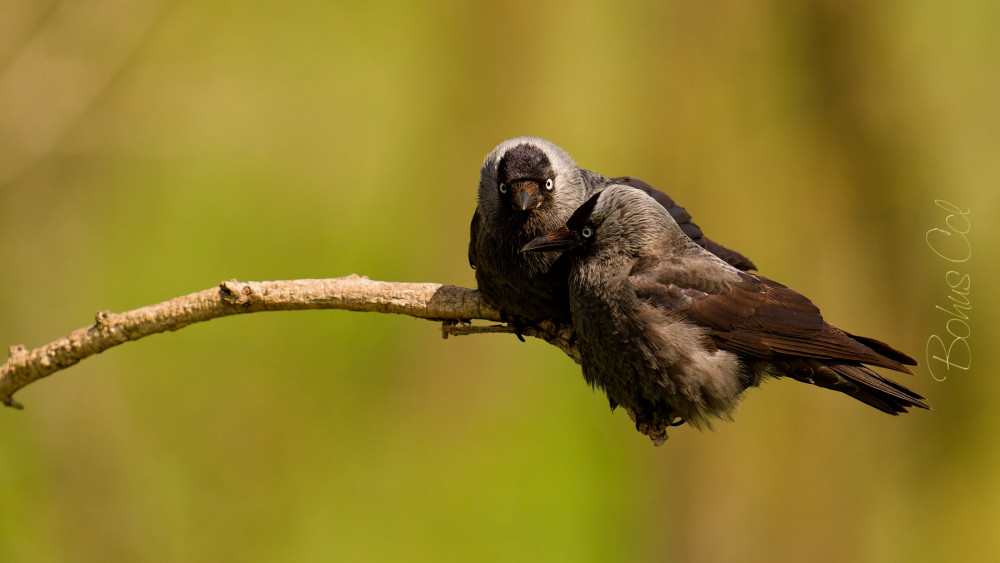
(758, 317)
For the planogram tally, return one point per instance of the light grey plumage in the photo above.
(529, 186)
(673, 333)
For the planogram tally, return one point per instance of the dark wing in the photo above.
(683, 219)
(762, 320)
(473, 237)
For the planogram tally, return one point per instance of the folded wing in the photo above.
(764, 321)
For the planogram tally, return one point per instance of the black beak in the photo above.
(559, 239)
(527, 195)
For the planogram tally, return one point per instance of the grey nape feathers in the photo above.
(673, 333)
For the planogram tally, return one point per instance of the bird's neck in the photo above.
(602, 272)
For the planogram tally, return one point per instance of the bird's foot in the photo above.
(516, 324)
(654, 423)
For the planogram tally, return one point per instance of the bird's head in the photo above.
(526, 176)
(618, 219)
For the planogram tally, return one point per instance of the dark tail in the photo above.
(855, 380)
(871, 388)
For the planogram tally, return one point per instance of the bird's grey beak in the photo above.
(527, 195)
(559, 239)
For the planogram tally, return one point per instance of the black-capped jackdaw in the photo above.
(527, 187)
(673, 333)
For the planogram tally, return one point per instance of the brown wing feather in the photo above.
(755, 316)
(762, 318)
(884, 349)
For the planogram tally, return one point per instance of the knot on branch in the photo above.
(239, 294)
(17, 352)
(102, 319)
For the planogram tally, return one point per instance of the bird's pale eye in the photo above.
(587, 232)
(503, 188)
(548, 184)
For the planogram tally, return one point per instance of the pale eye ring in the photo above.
(587, 232)
(503, 188)
(548, 184)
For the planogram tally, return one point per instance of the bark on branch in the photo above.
(454, 306)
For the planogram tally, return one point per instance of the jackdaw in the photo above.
(672, 333)
(527, 187)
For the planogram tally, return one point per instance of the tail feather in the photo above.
(870, 384)
(857, 381)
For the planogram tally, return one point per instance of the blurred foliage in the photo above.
(152, 149)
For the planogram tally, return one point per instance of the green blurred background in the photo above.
(152, 149)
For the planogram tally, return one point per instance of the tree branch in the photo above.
(454, 306)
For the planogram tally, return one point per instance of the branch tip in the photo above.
(10, 402)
